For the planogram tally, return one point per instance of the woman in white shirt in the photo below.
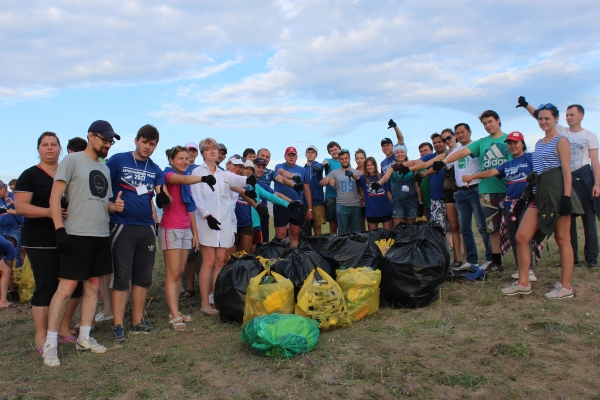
(213, 218)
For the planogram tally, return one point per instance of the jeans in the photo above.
(17, 234)
(590, 249)
(467, 204)
(349, 219)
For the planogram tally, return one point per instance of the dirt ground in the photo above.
(472, 343)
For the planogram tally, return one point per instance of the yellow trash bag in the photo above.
(27, 283)
(321, 298)
(384, 245)
(266, 263)
(16, 273)
(268, 298)
(361, 290)
(238, 254)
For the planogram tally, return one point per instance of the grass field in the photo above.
(472, 343)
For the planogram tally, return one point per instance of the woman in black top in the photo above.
(32, 200)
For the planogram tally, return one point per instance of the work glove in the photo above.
(295, 205)
(62, 240)
(420, 210)
(251, 194)
(210, 181)
(296, 179)
(251, 180)
(326, 167)
(391, 124)
(522, 102)
(298, 187)
(419, 178)
(263, 211)
(348, 173)
(315, 168)
(565, 206)
(375, 186)
(438, 166)
(162, 199)
(213, 223)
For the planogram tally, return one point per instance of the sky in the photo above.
(287, 73)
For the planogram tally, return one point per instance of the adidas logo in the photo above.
(151, 247)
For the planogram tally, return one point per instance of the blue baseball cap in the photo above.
(104, 129)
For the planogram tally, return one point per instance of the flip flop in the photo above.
(67, 340)
(210, 313)
(10, 305)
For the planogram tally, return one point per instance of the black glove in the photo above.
(213, 223)
(263, 211)
(315, 167)
(518, 208)
(298, 187)
(326, 167)
(296, 179)
(522, 102)
(348, 173)
(62, 240)
(251, 180)
(251, 194)
(565, 206)
(438, 166)
(375, 186)
(64, 203)
(420, 210)
(295, 205)
(210, 181)
(419, 178)
(401, 168)
(2, 211)
(162, 199)
(391, 124)
(156, 226)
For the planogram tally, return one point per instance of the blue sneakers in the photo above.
(119, 334)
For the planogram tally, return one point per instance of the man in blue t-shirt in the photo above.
(132, 233)
(329, 165)
(314, 170)
(10, 221)
(284, 216)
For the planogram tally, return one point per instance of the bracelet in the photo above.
(310, 209)
(444, 161)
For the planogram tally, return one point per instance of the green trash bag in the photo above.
(284, 335)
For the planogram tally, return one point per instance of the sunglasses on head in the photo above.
(447, 138)
(238, 157)
(548, 106)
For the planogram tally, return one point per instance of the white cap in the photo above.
(312, 147)
(235, 160)
(191, 145)
(249, 164)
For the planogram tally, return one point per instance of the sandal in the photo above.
(178, 324)
(185, 318)
(188, 294)
(67, 340)
(210, 312)
(10, 305)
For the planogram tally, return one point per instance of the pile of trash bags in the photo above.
(296, 264)
(273, 249)
(353, 250)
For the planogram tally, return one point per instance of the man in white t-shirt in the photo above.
(585, 169)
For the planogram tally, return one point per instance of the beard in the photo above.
(102, 152)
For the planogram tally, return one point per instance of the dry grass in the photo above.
(473, 343)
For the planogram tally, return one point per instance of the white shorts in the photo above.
(169, 239)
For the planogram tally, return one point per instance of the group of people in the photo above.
(90, 223)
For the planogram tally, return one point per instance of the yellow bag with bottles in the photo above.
(361, 290)
(268, 293)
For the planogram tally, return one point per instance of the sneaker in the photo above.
(532, 277)
(515, 288)
(119, 334)
(211, 299)
(142, 327)
(50, 355)
(91, 345)
(466, 266)
(559, 292)
(592, 264)
(484, 265)
(101, 317)
(493, 267)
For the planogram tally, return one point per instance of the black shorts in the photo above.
(133, 253)
(282, 216)
(379, 220)
(45, 264)
(245, 230)
(449, 195)
(88, 257)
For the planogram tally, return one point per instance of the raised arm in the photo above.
(399, 135)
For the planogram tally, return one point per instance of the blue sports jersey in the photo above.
(10, 222)
(7, 250)
(316, 190)
(266, 180)
(377, 203)
(388, 162)
(126, 174)
(436, 181)
(515, 171)
(286, 190)
(333, 165)
(243, 212)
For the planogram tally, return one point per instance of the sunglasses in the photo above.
(447, 138)
(238, 157)
(548, 106)
(105, 140)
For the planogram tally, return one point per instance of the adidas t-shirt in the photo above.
(491, 152)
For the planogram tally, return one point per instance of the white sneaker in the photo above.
(484, 265)
(515, 288)
(211, 299)
(559, 292)
(532, 277)
(50, 355)
(91, 345)
(464, 266)
(101, 317)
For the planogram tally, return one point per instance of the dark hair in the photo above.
(333, 144)
(12, 182)
(372, 160)
(171, 153)
(578, 107)
(148, 132)
(433, 136)
(360, 151)
(426, 144)
(489, 113)
(447, 130)
(552, 109)
(261, 149)
(467, 127)
(76, 144)
(248, 151)
(45, 134)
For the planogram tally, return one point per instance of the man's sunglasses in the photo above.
(238, 157)
(447, 138)
(548, 106)
(105, 140)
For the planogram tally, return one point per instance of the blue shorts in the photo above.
(283, 216)
(405, 207)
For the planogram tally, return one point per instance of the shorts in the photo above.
(171, 239)
(363, 211)
(330, 210)
(282, 216)
(133, 253)
(532, 202)
(245, 230)
(318, 215)
(492, 205)
(449, 195)
(257, 239)
(45, 264)
(88, 257)
(438, 214)
(378, 220)
(405, 207)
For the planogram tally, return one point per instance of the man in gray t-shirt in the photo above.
(82, 239)
(347, 204)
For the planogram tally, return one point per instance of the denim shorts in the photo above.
(405, 207)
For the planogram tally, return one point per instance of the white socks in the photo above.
(84, 333)
(51, 338)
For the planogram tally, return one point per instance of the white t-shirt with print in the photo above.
(581, 142)
(465, 166)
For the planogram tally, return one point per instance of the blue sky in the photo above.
(279, 73)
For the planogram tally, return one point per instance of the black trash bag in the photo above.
(353, 250)
(273, 249)
(416, 266)
(378, 234)
(316, 243)
(296, 264)
(231, 285)
(404, 230)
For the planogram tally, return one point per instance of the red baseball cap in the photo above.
(290, 150)
(515, 137)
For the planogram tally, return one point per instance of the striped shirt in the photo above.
(545, 156)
